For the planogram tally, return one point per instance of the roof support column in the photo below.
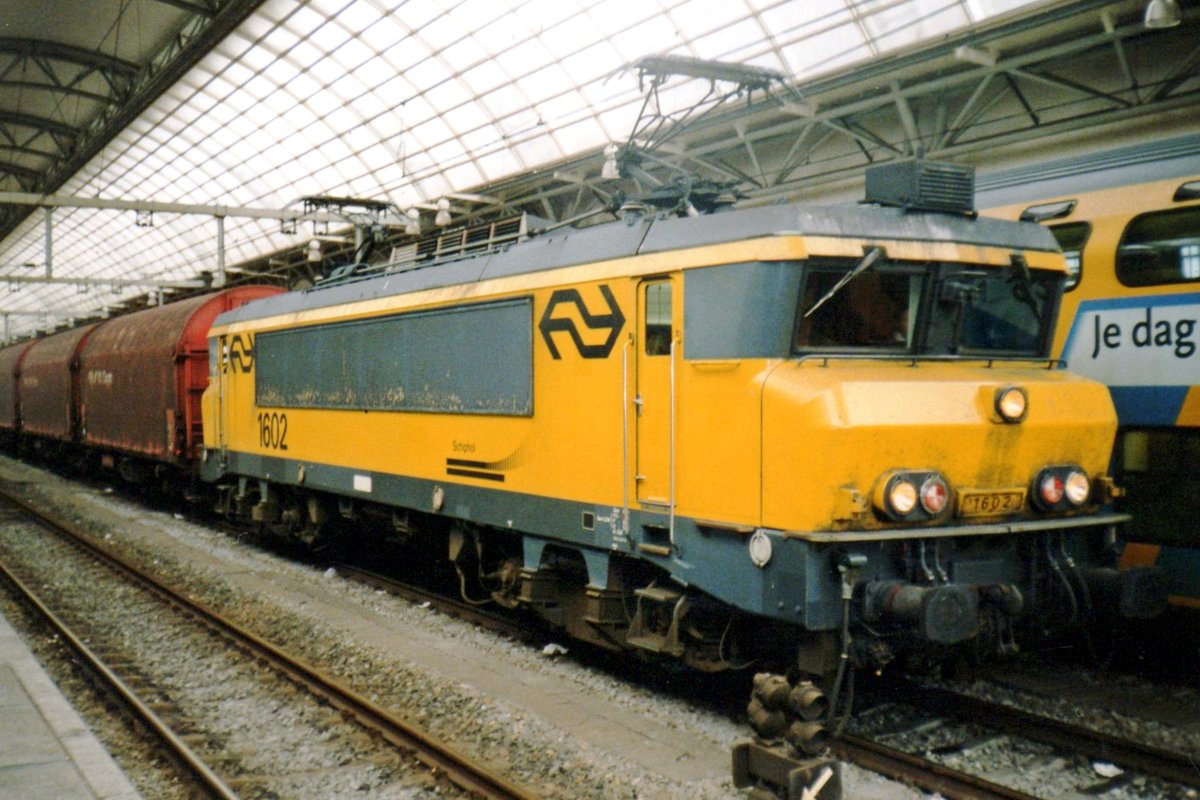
(220, 281)
(49, 241)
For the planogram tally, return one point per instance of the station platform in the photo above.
(47, 751)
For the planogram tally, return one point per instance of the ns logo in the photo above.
(557, 318)
(239, 353)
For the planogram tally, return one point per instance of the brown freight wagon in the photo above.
(48, 385)
(10, 417)
(141, 377)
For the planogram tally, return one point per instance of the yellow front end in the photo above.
(833, 431)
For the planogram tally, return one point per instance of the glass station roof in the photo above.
(407, 101)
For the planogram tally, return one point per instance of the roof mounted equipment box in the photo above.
(920, 185)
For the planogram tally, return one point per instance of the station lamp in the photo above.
(1162, 14)
(442, 218)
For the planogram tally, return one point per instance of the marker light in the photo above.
(1050, 488)
(1012, 403)
(934, 495)
(1077, 488)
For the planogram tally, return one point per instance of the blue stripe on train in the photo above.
(1148, 405)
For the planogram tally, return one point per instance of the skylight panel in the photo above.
(981, 9)
(415, 14)
(565, 38)
(497, 164)
(353, 54)
(441, 32)
(823, 52)
(426, 76)
(523, 60)
(726, 42)
(503, 33)
(546, 14)
(580, 136)
(896, 26)
(461, 55)
(431, 132)
(695, 18)
(592, 63)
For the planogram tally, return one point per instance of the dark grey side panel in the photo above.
(860, 221)
(618, 239)
(475, 359)
(798, 586)
(740, 310)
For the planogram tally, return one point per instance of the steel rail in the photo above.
(180, 752)
(895, 764)
(926, 775)
(457, 768)
(1170, 765)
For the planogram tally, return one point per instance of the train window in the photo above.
(986, 311)
(1048, 211)
(470, 359)
(1071, 238)
(1187, 191)
(873, 309)
(658, 319)
(1162, 247)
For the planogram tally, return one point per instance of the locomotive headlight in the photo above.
(912, 495)
(1012, 403)
(1062, 488)
(901, 496)
(1077, 487)
(934, 495)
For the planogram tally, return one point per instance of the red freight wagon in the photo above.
(141, 376)
(48, 385)
(10, 362)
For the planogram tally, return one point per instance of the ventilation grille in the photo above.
(921, 185)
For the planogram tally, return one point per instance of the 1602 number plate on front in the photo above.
(990, 504)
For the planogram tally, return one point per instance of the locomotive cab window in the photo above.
(874, 309)
(657, 325)
(993, 310)
(1071, 238)
(1161, 248)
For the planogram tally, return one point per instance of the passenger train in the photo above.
(784, 435)
(1128, 220)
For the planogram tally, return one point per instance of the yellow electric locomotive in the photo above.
(730, 438)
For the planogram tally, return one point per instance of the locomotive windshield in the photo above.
(930, 309)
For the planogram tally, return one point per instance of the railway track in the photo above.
(914, 770)
(1011, 746)
(471, 777)
(1169, 765)
(925, 774)
(889, 762)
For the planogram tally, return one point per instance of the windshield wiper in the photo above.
(1021, 283)
(870, 258)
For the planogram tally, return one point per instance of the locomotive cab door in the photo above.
(218, 363)
(655, 390)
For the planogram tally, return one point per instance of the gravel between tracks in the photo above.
(526, 748)
(539, 750)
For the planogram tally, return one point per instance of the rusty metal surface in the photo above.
(141, 376)
(10, 359)
(46, 384)
(916, 771)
